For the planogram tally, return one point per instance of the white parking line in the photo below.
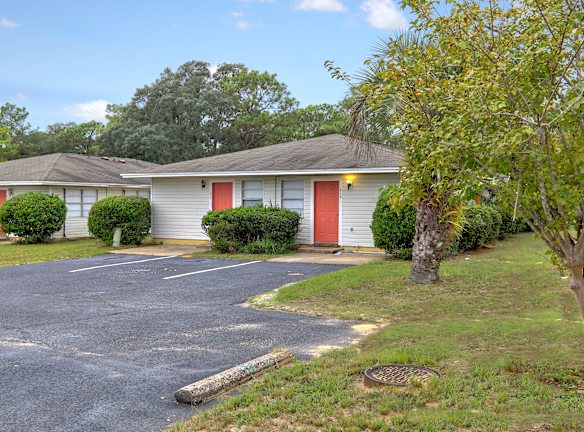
(123, 263)
(212, 269)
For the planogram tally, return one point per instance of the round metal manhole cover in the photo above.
(398, 375)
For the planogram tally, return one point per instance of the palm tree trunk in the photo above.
(430, 239)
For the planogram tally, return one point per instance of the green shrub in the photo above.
(474, 230)
(235, 229)
(520, 226)
(222, 235)
(393, 230)
(266, 247)
(507, 225)
(494, 220)
(130, 213)
(481, 224)
(33, 216)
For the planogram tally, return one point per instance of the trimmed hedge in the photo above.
(130, 213)
(393, 230)
(33, 216)
(482, 224)
(252, 229)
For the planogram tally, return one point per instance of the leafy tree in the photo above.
(36, 143)
(4, 141)
(166, 121)
(257, 104)
(523, 109)
(79, 138)
(494, 91)
(314, 121)
(405, 93)
(57, 128)
(13, 119)
(189, 113)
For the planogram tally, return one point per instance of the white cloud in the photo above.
(384, 14)
(246, 25)
(6, 23)
(237, 14)
(88, 111)
(321, 5)
(21, 97)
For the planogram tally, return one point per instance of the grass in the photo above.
(15, 254)
(502, 327)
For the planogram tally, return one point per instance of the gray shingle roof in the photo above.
(329, 152)
(67, 168)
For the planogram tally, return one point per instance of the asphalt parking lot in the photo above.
(101, 344)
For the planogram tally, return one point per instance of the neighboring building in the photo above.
(77, 179)
(333, 184)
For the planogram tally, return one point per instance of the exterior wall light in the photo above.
(203, 184)
(349, 183)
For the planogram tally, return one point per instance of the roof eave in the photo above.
(381, 170)
(8, 183)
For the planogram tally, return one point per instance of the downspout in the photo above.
(65, 222)
(276, 191)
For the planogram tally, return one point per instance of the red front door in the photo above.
(222, 195)
(2, 199)
(326, 212)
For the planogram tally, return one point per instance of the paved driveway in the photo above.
(100, 344)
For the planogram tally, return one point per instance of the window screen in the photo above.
(252, 193)
(137, 192)
(293, 195)
(79, 201)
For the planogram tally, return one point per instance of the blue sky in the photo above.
(64, 60)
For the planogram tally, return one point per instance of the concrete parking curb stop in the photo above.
(208, 388)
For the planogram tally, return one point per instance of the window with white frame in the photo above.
(293, 195)
(137, 192)
(79, 201)
(252, 193)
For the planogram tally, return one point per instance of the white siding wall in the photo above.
(358, 205)
(75, 227)
(179, 204)
(177, 208)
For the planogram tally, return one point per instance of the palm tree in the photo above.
(378, 99)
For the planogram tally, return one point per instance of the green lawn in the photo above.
(502, 327)
(14, 254)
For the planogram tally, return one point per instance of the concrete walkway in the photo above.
(341, 259)
(163, 250)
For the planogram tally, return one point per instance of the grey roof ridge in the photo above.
(46, 175)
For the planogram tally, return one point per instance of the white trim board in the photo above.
(77, 184)
(387, 170)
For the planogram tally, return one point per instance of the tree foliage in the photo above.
(494, 93)
(13, 122)
(79, 138)
(191, 113)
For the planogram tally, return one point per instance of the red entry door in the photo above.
(2, 199)
(222, 195)
(326, 212)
